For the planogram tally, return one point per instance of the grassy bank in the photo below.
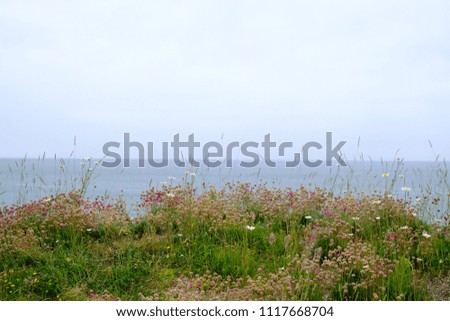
(244, 242)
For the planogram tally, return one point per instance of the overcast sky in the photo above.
(378, 70)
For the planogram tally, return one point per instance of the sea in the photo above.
(22, 180)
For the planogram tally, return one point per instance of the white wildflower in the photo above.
(250, 228)
(426, 235)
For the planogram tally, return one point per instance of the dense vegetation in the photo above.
(244, 242)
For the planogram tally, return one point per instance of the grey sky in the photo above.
(379, 70)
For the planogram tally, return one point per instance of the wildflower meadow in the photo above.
(241, 242)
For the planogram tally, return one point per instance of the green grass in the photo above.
(243, 242)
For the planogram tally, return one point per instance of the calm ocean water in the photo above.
(32, 179)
